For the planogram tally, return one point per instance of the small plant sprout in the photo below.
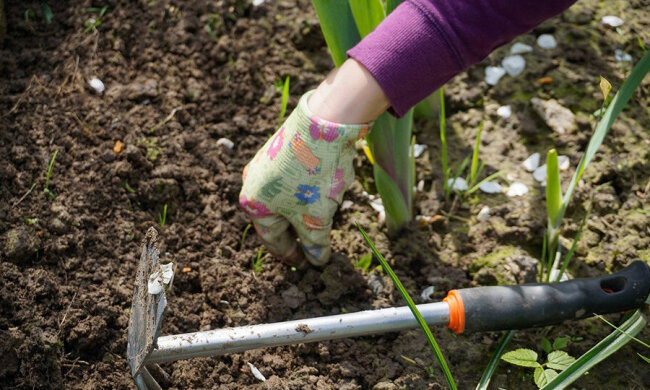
(47, 12)
(243, 236)
(364, 262)
(93, 22)
(49, 175)
(443, 143)
(162, 218)
(258, 263)
(557, 361)
(284, 101)
(213, 25)
(416, 313)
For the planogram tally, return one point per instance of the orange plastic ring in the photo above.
(456, 312)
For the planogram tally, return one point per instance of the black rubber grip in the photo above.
(531, 305)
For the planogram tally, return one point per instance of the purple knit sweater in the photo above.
(424, 43)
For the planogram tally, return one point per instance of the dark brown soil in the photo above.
(68, 264)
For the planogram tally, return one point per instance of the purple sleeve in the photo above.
(424, 43)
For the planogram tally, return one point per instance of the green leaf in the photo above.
(339, 28)
(364, 262)
(561, 342)
(644, 358)
(543, 376)
(474, 167)
(610, 344)
(443, 142)
(546, 345)
(559, 360)
(522, 357)
(416, 313)
(285, 99)
(367, 14)
(47, 12)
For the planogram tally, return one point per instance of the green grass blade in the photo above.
(610, 344)
(619, 329)
(443, 141)
(553, 190)
(423, 325)
(50, 167)
(494, 360)
(613, 110)
(339, 28)
(474, 167)
(569, 255)
(285, 100)
(367, 14)
(47, 12)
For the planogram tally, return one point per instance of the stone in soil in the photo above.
(20, 244)
(559, 118)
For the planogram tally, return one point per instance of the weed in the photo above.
(93, 22)
(127, 187)
(243, 236)
(258, 263)
(364, 262)
(443, 143)
(285, 99)
(163, 217)
(214, 25)
(556, 361)
(47, 12)
(416, 313)
(49, 175)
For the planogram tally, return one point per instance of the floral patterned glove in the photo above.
(297, 179)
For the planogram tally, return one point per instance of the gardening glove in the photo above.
(297, 180)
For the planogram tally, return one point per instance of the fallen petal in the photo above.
(622, 56)
(346, 204)
(517, 189)
(426, 294)
(563, 162)
(532, 162)
(484, 214)
(520, 48)
(458, 184)
(514, 65)
(540, 173)
(225, 142)
(256, 373)
(490, 187)
(612, 20)
(418, 150)
(504, 112)
(97, 85)
(546, 41)
(493, 74)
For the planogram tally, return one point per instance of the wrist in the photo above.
(349, 95)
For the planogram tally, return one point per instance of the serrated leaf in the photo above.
(546, 345)
(560, 360)
(542, 376)
(521, 357)
(561, 342)
(605, 87)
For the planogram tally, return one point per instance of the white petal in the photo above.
(563, 162)
(540, 173)
(514, 65)
(493, 74)
(490, 187)
(517, 189)
(484, 214)
(546, 41)
(418, 150)
(346, 204)
(612, 20)
(504, 112)
(167, 272)
(426, 294)
(420, 186)
(459, 184)
(532, 162)
(225, 142)
(97, 85)
(256, 373)
(377, 205)
(622, 56)
(520, 48)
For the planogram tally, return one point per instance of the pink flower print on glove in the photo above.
(323, 130)
(338, 183)
(254, 208)
(276, 144)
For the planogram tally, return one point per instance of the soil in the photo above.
(173, 89)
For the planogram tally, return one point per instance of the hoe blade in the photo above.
(147, 308)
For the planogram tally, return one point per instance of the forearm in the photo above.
(424, 43)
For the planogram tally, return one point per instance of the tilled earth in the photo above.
(174, 87)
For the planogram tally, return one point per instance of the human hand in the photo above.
(297, 180)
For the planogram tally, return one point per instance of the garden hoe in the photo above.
(471, 309)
